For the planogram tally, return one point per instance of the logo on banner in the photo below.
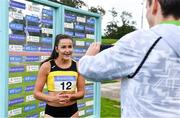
(33, 116)
(16, 69)
(48, 12)
(29, 88)
(17, 48)
(29, 107)
(33, 8)
(81, 19)
(15, 58)
(91, 21)
(16, 26)
(15, 90)
(16, 101)
(17, 37)
(30, 78)
(17, 4)
(30, 98)
(42, 104)
(80, 105)
(89, 111)
(14, 112)
(16, 15)
(69, 33)
(90, 95)
(15, 80)
(32, 18)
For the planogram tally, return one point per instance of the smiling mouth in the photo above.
(67, 55)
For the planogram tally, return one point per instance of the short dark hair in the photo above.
(169, 7)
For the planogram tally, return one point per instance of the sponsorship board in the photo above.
(82, 28)
(30, 37)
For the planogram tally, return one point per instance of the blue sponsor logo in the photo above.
(32, 18)
(69, 33)
(90, 29)
(78, 50)
(76, 58)
(16, 26)
(29, 107)
(33, 29)
(17, 4)
(46, 40)
(90, 21)
(16, 101)
(70, 17)
(88, 43)
(80, 35)
(16, 69)
(79, 27)
(16, 37)
(30, 78)
(88, 95)
(33, 116)
(81, 105)
(45, 49)
(48, 12)
(15, 90)
(32, 58)
(15, 58)
(64, 78)
(89, 87)
(29, 88)
(42, 104)
(47, 21)
(31, 48)
(89, 111)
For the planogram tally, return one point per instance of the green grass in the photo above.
(108, 41)
(110, 108)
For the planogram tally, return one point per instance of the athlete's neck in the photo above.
(63, 63)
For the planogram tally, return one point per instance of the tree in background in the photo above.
(71, 3)
(98, 10)
(114, 31)
(80, 4)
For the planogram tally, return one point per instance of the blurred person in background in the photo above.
(148, 61)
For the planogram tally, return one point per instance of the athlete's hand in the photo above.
(93, 49)
(58, 98)
(63, 98)
(68, 97)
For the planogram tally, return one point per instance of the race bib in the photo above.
(65, 83)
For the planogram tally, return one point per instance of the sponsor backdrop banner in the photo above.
(82, 28)
(30, 42)
(32, 27)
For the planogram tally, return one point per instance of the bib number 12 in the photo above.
(66, 85)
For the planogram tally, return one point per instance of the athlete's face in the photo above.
(65, 49)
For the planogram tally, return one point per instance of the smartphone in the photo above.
(103, 47)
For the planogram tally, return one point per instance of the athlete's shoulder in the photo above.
(46, 65)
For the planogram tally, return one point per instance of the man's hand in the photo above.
(93, 49)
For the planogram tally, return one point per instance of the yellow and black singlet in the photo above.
(62, 80)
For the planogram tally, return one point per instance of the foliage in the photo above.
(71, 3)
(113, 30)
(126, 17)
(98, 10)
(80, 4)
